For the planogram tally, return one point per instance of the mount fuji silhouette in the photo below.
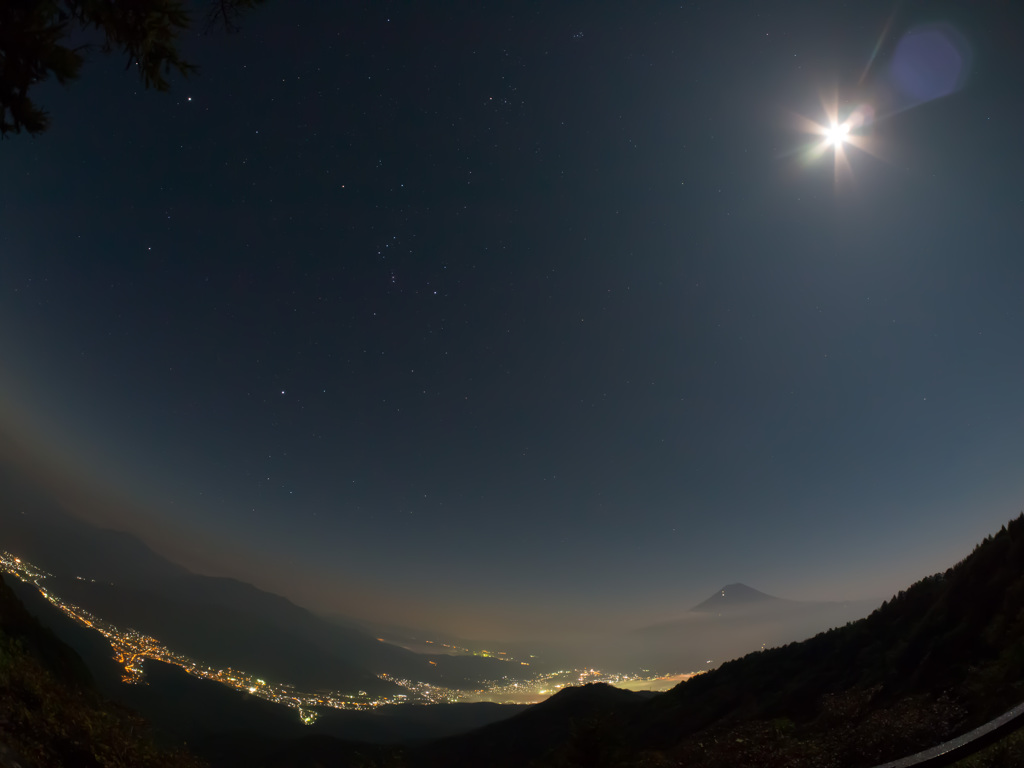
(735, 596)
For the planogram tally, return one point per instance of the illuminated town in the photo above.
(132, 648)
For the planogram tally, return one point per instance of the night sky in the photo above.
(505, 318)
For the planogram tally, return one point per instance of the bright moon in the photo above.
(836, 134)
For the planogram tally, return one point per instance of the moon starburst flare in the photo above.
(836, 134)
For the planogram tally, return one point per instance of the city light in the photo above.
(131, 649)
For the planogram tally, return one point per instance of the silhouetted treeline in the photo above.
(961, 630)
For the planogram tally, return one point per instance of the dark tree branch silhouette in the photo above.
(36, 35)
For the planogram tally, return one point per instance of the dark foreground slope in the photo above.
(541, 729)
(50, 714)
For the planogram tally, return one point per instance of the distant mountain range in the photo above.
(219, 621)
(228, 623)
